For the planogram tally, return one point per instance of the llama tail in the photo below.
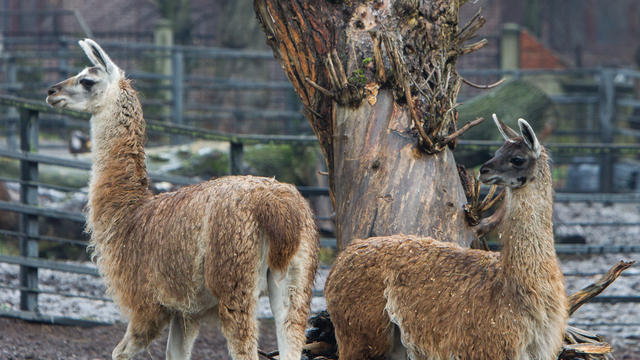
(283, 214)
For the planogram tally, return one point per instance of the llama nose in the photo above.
(54, 89)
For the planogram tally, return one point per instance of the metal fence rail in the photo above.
(28, 260)
(176, 93)
(29, 111)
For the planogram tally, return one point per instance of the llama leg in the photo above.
(289, 299)
(237, 310)
(362, 326)
(240, 328)
(182, 335)
(141, 331)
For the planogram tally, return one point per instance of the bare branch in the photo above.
(581, 336)
(270, 355)
(339, 68)
(401, 78)
(575, 350)
(471, 30)
(394, 58)
(484, 87)
(494, 201)
(335, 80)
(407, 94)
(489, 224)
(377, 58)
(470, 22)
(317, 114)
(473, 47)
(462, 130)
(578, 299)
(319, 88)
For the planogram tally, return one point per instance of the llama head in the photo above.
(515, 163)
(87, 90)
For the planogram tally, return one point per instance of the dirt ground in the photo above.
(24, 340)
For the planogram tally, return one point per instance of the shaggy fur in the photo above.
(449, 302)
(204, 251)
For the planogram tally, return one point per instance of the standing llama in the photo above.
(205, 251)
(398, 296)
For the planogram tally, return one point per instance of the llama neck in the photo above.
(118, 175)
(528, 254)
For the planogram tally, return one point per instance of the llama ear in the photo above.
(507, 132)
(98, 57)
(529, 137)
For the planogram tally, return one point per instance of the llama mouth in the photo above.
(55, 103)
(490, 181)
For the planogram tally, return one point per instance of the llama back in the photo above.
(430, 284)
(263, 213)
(221, 242)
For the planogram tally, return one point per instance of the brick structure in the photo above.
(581, 33)
(533, 55)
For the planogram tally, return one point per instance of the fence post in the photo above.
(29, 196)
(235, 158)
(12, 113)
(63, 66)
(177, 92)
(163, 37)
(607, 116)
(510, 46)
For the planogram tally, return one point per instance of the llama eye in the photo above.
(517, 161)
(87, 83)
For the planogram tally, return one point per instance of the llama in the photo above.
(206, 251)
(398, 296)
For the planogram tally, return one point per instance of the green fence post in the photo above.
(235, 158)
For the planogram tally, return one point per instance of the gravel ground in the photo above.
(611, 317)
(21, 340)
(624, 338)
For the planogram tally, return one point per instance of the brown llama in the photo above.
(206, 251)
(398, 296)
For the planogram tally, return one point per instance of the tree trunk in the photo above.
(386, 124)
(386, 185)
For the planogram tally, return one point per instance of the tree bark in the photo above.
(378, 83)
(386, 184)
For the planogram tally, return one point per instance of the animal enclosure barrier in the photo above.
(236, 91)
(606, 97)
(29, 210)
